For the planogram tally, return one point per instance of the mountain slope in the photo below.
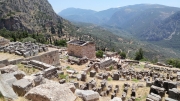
(124, 14)
(32, 16)
(165, 29)
(128, 45)
(147, 19)
(168, 31)
(135, 19)
(87, 16)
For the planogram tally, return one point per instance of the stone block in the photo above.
(149, 83)
(62, 81)
(113, 95)
(19, 74)
(115, 76)
(154, 98)
(50, 72)
(27, 54)
(4, 62)
(9, 69)
(38, 80)
(92, 73)
(116, 99)
(169, 99)
(148, 99)
(6, 90)
(21, 87)
(35, 52)
(157, 90)
(87, 95)
(51, 91)
(124, 96)
(174, 94)
(83, 76)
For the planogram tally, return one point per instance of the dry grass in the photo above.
(28, 71)
(21, 99)
(9, 56)
(142, 93)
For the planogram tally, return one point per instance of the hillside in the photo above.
(33, 16)
(170, 29)
(165, 29)
(122, 43)
(143, 22)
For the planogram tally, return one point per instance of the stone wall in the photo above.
(74, 50)
(4, 63)
(106, 63)
(49, 58)
(87, 50)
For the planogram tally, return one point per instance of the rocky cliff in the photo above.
(30, 15)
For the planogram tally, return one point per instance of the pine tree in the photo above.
(139, 55)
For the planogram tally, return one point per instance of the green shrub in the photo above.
(109, 79)
(111, 68)
(68, 67)
(173, 62)
(123, 55)
(62, 76)
(139, 55)
(29, 39)
(135, 80)
(60, 43)
(99, 54)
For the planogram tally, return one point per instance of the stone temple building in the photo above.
(81, 49)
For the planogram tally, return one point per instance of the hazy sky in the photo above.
(98, 5)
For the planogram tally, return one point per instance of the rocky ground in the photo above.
(125, 80)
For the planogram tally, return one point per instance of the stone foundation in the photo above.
(51, 57)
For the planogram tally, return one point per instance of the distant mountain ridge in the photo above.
(138, 19)
(87, 16)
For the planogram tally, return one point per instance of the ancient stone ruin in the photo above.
(43, 78)
(26, 49)
(81, 49)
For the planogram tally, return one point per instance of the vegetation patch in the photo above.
(135, 80)
(99, 54)
(68, 67)
(111, 68)
(27, 70)
(123, 55)
(141, 98)
(139, 55)
(173, 62)
(63, 76)
(109, 79)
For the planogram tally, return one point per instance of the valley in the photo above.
(147, 25)
(122, 53)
